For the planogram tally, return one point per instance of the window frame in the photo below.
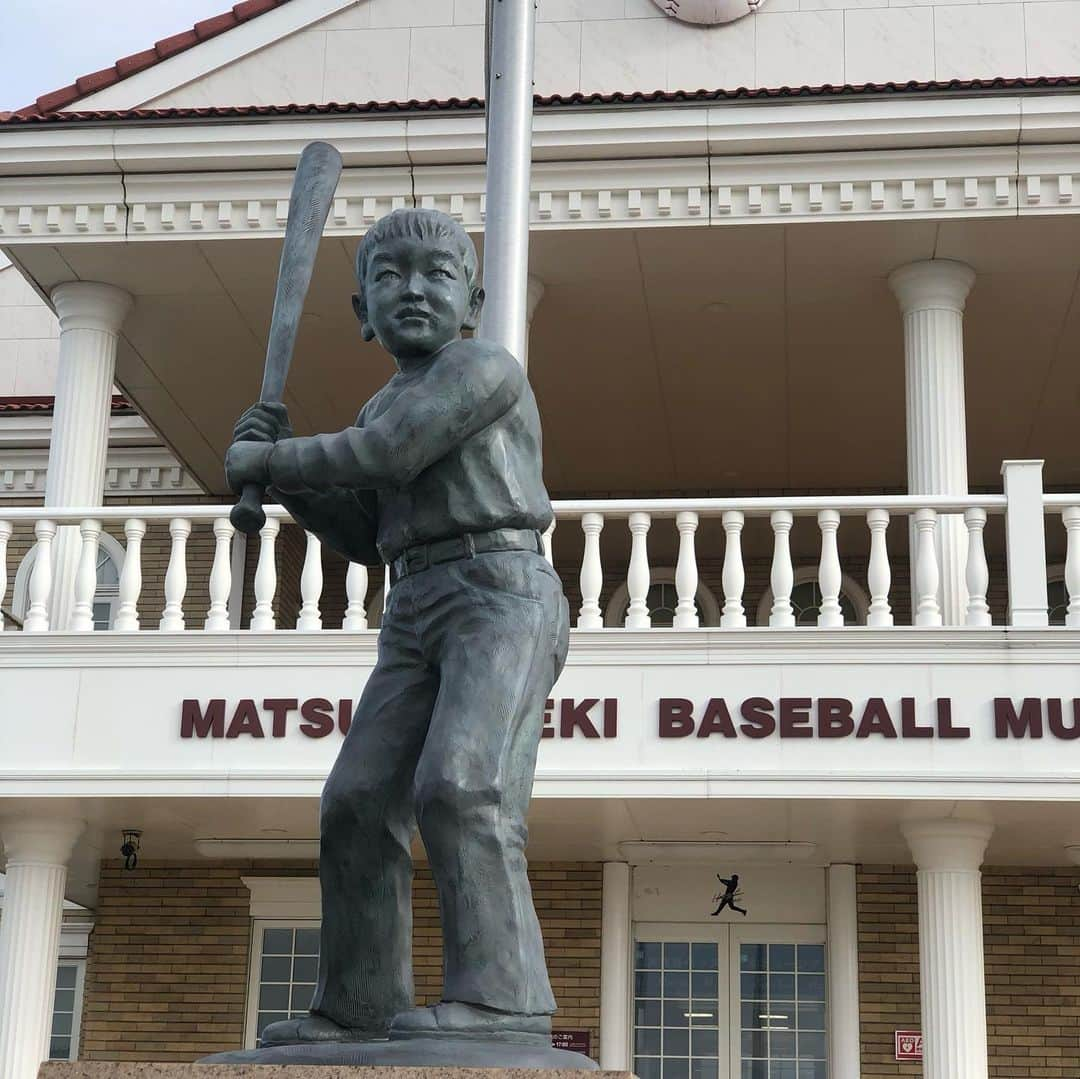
(849, 588)
(76, 1019)
(254, 981)
(708, 607)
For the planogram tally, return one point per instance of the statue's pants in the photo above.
(445, 735)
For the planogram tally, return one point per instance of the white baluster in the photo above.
(311, 585)
(5, 535)
(548, 537)
(1071, 519)
(879, 573)
(262, 618)
(172, 617)
(217, 617)
(686, 572)
(356, 586)
(82, 613)
(637, 579)
(37, 613)
(733, 575)
(782, 574)
(592, 573)
(829, 575)
(978, 572)
(927, 608)
(127, 616)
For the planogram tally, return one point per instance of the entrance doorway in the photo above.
(729, 1002)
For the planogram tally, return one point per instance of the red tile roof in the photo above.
(42, 403)
(127, 66)
(657, 97)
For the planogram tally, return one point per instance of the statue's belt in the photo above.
(424, 555)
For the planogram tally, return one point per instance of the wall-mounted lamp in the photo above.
(129, 850)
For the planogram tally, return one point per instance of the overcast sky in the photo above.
(48, 43)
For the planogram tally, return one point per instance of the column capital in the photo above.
(90, 305)
(33, 840)
(534, 293)
(933, 283)
(947, 845)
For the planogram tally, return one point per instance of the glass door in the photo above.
(681, 1010)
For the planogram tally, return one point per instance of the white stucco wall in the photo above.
(29, 337)
(401, 49)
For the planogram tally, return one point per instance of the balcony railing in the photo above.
(1024, 507)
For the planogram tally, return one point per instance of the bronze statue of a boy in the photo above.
(441, 478)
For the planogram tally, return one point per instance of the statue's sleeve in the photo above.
(467, 387)
(345, 520)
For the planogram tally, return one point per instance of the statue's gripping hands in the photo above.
(441, 478)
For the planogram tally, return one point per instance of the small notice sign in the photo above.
(908, 1045)
(576, 1041)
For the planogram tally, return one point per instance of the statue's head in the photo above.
(417, 287)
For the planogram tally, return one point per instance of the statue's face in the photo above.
(417, 296)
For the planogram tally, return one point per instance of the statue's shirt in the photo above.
(448, 447)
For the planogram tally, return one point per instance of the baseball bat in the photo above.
(317, 174)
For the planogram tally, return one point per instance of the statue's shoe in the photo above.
(455, 1019)
(317, 1028)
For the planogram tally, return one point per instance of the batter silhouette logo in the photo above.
(731, 892)
(908, 1045)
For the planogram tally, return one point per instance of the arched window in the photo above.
(1056, 594)
(110, 561)
(662, 599)
(806, 600)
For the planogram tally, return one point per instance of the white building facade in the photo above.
(804, 345)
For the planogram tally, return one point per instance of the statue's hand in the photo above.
(248, 462)
(265, 421)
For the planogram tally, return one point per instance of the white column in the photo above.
(932, 296)
(90, 317)
(533, 295)
(37, 852)
(615, 968)
(952, 980)
(843, 967)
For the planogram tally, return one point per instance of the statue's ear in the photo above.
(476, 303)
(366, 330)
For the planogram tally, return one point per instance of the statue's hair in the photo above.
(417, 225)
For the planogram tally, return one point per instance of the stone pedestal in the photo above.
(102, 1070)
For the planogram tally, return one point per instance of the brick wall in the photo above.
(1031, 933)
(168, 964)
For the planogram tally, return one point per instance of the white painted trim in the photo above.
(284, 897)
(707, 853)
(842, 971)
(849, 587)
(616, 969)
(212, 54)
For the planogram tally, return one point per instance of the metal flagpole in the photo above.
(510, 36)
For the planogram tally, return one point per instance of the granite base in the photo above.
(303, 1070)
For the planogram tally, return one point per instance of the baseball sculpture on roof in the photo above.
(440, 478)
(707, 12)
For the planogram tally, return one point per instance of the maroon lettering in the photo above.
(676, 717)
(1025, 724)
(344, 716)
(909, 728)
(245, 720)
(945, 728)
(875, 720)
(195, 723)
(795, 717)
(1056, 723)
(575, 717)
(319, 717)
(548, 731)
(611, 717)
(716, 720)
(834, 718)
(757, 712)
(279, 708)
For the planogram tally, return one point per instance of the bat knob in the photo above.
(247, 515)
